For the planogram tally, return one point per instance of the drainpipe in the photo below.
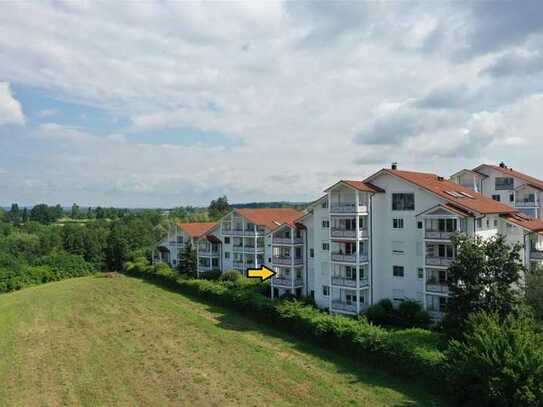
(306, 264)
(371, 248)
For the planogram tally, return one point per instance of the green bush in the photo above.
(498, 362)
(231, 275)
(412, 314)
(211, 275)
(409, 314)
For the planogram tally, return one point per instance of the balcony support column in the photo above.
(255, 249)
(357, 220)
(357, 289)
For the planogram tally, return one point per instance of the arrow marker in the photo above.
(264, 273)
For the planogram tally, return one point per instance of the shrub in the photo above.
(231, 275)
(211, 275)
(412, 314)
(378, 314)
(499, 361)
(409, 314)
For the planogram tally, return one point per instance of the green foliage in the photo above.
(499, 362)
(188, 263)
(409, 314)
(231, 275)
(45, 214)
(534, 290)
(482, 277)
(403, 352)
(212, 275)
(218, 208)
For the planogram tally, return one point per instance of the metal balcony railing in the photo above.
(433, 234)
(348, 282)
(439, 261)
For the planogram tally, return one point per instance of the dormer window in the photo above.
(504, 183)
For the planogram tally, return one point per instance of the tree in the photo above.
(14, 214)
(218, 208)
(41, 213)
(76, 212)
(485, 276)
(189, 262)
(534, 289)
(56, 212)
(99, 212)
(25, 215)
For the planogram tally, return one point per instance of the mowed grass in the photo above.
(121, 341)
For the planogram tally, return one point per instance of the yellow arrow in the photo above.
(264, 273)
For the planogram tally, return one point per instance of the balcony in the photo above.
(350, 234)
(526, 203)
(208, 252)
(536, 254)
(343, 306)
(348, 282)
(439, 261)
(234, 232)
(435, 286)
(287, 240)
(348, 208)
(238, 264)
(349, 258)
(287, 261)
(436, 235)
(287, 281)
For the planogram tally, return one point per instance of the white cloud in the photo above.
(11, 111)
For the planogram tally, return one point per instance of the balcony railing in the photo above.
(348, 208)
(526, 204)
(287, 260)
(432, 234)
(349, 258)
(287, 240)
(238, 264)
(208, 252)
(536, 254)
(437, 286)
(336, 232)
(343, 306)
(439, 261)
(287, 281)
(348, 282)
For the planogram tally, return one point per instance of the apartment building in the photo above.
(387, 236)
(208, 247)
(506, 185)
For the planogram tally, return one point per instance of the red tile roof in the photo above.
(534, 182)
(438, 185)
(524, 221)
(358, 185)
(271, 218)
(196, 229)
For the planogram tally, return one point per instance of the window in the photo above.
(487, 223)
(226, 240)
(397, 223)
(496, 198)
(325, 223)
(495, 223)
(420, 225)
(324, 204)
(504, 183)
(420, 273)
(174, 262)
(325, 246)
(325, 290)
(511, 197)
(479, 223)
(350, 299)
(226, 255)
(397, 271)
(403, 202)
(215, 262)
(311, 252)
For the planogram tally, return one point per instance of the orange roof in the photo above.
(466, 198)
(196, 229)
(534, 182)
(358, 185)
(271, 218)
(524, 221)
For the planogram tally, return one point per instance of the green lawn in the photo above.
(121, 341)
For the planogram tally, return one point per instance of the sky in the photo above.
(159, 104)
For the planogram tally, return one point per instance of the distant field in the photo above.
(120, 341)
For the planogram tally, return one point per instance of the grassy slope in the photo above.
(96, 341)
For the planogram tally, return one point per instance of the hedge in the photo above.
(405, 352)
(45, 269)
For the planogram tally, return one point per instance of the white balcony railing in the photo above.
(437, 286)
(432, 234)
(287, 260)
(348, 208)
(287, 281)
(439, 261)
(348, 282)
(526, 204)
(287, 240)
(335, 232)
(343, 306)
(349, 258)
(238, 264)
(536, 254)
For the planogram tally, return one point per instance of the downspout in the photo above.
(306, 264)
(371, 248)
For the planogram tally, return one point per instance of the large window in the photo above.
(397, 271)
(403, 202)
(504, 183)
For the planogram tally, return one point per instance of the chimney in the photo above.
(394, 165)
(502, 165)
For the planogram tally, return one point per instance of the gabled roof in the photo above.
(447, 207)
(534, 182)
(456, 194)
(470, 171)
(525, 222)
(271, 218)
(358, 185)
(196, 229)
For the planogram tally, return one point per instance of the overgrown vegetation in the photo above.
(409, 314)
